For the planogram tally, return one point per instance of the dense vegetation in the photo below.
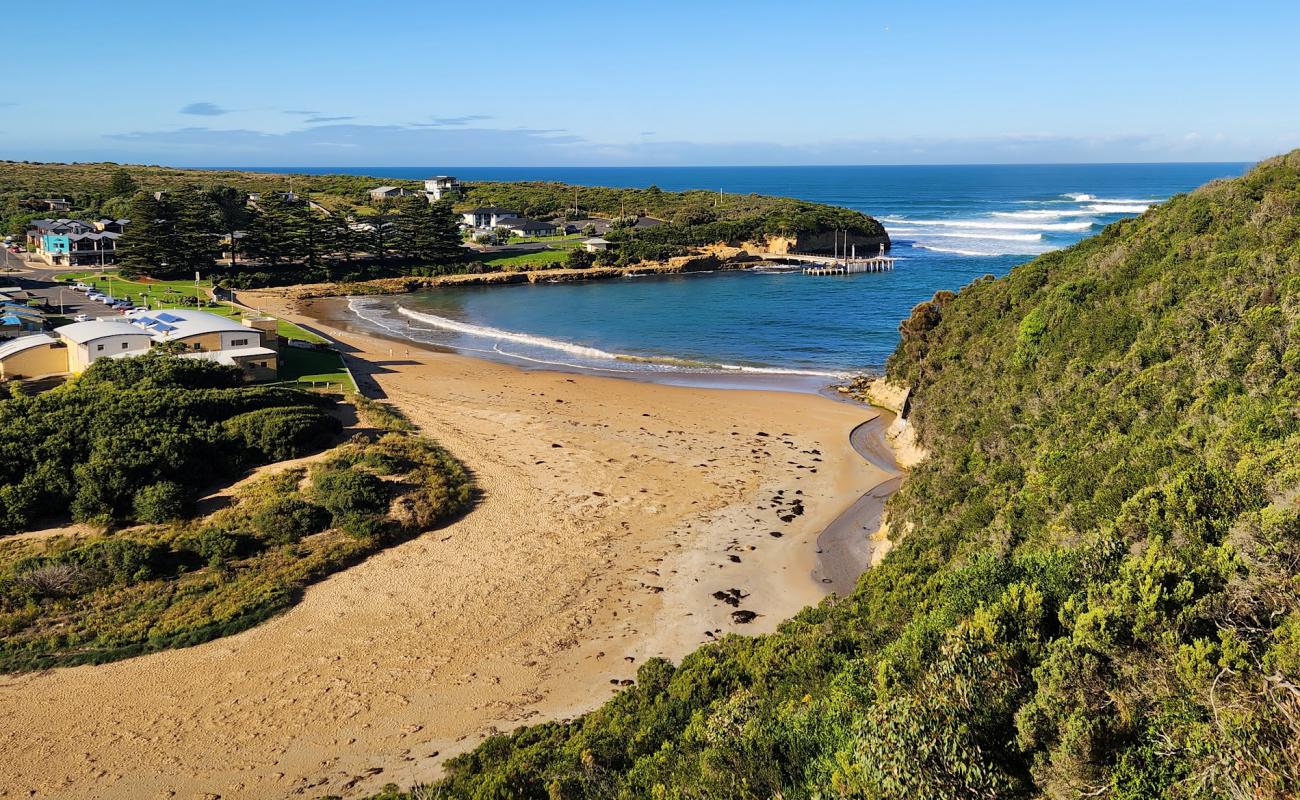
(78, 599)
(332, 230)
(1096, 586)
(112, 445)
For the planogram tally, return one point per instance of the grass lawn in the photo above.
(567, 239)
(313, 367)
(173, 294)
(520, 261)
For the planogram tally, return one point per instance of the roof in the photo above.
(22, 343)
(383, 189)
(21, 310)
(82, 332)
(595, 240)
(179, 323)
(229, 355)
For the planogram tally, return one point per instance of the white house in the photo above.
(595, 244)
(488, 217)
(441, 186)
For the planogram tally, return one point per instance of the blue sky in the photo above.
(325, 83)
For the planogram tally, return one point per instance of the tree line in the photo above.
(189, 230)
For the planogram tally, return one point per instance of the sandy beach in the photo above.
(619, 520)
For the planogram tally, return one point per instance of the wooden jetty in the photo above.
(850, 266)
(845, 261)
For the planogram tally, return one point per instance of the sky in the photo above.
(752, 82)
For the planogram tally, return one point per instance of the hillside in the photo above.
(91, 189)
(1094, 588)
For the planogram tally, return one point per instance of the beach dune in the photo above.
(619, 520)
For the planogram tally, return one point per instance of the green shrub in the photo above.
(281, 433)
(360, 525)
(285, 520)
(345, 492)
(163, 501)
(216, 546)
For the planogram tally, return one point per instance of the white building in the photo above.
(88, 342)
(488, 217)
(595, 244)
(441, 186)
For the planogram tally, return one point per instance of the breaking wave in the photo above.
(987, 224)
(583, 356)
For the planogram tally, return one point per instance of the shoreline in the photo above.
(620, 520)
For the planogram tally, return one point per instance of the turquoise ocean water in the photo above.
(949, 225)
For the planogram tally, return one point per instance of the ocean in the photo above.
(949, 225)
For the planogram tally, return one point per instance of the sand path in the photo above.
(611, 512)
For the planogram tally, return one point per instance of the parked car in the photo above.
(80, 287)
(82, 318)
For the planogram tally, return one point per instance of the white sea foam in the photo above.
(486, 332)
(1118, 208)
(1078, 197)
(589, 353)
(987, 224)
(934, 248)
(987, 236)
(1042, 213)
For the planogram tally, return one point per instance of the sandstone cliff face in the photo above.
(825, 243)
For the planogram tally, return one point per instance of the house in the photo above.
(87, 342)
(111, 225)
(487, 217)
(78, 249)
(52, 204)
(200, 334)
(17, 319)
(41, 227)
(595, 244)
(389, 193)
(528, 227)
(33, 356)
(441, 186)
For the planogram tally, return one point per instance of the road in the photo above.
(38, 279)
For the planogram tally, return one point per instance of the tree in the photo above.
(173, 236)
(382, 232)
(428, 232)
(503, 235)
(195, 238)
(233, 215)
(121, 184)
(275, 233)
(145, 244)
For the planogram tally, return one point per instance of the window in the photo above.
(238, 342)
(125, 345)
(99, 347)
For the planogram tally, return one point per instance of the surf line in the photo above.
(596, 354)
